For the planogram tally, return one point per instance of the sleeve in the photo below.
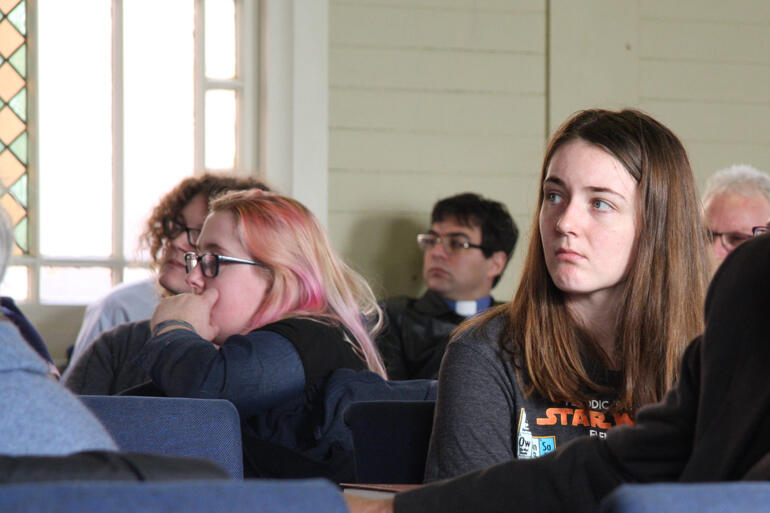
(255, 371)
(108, 367)
(472, 428)
(95, 321)
(577, 476)
(92, 372)
(389, 343)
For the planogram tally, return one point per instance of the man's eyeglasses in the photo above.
(452, 243)
(174, 228)
(731, 240)
(209, 263)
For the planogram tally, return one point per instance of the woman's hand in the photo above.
(194, 309)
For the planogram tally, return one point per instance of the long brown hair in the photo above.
(663, 293)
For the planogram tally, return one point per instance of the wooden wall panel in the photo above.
(428, 99)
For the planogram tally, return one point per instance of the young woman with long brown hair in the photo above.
(610, 294)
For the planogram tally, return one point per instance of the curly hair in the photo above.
(170, 206)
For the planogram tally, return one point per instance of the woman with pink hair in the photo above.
(273, 312)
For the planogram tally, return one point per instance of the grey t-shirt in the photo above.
(483, 417)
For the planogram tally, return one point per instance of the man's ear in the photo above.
(496, 264)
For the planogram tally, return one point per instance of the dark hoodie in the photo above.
(713, 426)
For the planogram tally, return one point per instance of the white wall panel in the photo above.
(428, 99)
(431, 97)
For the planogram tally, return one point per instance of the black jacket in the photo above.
(109, 366)
(416, 334)
(713, 426)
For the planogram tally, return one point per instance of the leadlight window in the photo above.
(131, 96)
(13, 118)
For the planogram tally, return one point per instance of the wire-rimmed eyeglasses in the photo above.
(209, 263)
(452, 243)
(730, 240)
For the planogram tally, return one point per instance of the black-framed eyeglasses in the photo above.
(452, 243)
(760, 230)
(209, 263)
(173, 228)
(730, 240)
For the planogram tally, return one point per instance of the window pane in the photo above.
(75, 128)
(68, 285)
(131, 274)
(16, 283)
(220, 129)
(159, 106)
(220, 38)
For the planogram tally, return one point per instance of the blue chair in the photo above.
(251, 496)
(733, 497)
(390, 439)
(174, 426)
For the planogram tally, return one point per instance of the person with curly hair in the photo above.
(98, 364)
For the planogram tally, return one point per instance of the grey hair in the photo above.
(6, 241)
(739, 179)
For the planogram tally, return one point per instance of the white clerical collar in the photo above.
(469, 308)
(466, 308)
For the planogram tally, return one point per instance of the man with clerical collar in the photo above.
(470, 241)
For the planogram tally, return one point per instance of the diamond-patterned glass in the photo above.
(19, 148)
(19, 104)
(10, 38)
(19, 18)
(10, 82)
(6, 6)
(13, 117)
(19, 190)
(10, 169)
(20, 235)
(19, 60)
(10, 126)
(15, 211)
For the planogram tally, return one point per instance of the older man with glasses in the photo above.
(736, 200)
(466, 250)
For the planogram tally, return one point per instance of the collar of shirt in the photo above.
(469, 308)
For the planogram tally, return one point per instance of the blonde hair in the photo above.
(307, 277)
